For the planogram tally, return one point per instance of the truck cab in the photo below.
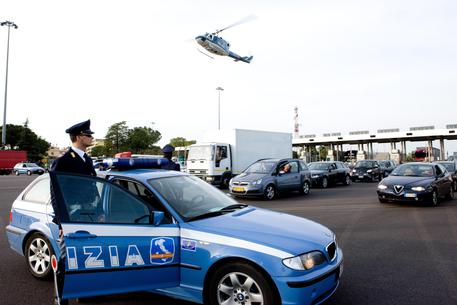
(211, 162)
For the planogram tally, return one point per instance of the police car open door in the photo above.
(114, 240)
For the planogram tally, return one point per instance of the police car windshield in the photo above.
(190, 197)
(205, 152)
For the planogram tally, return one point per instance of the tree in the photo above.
(98, 151)
(116, 138)
(23, 138)
(180, 141)
(323, 151)
(141, 139)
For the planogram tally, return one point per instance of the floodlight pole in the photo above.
(9, 24)
(219, 108)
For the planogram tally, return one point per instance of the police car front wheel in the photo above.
(239, 283)
(38, 252)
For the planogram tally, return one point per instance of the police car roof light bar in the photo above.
(134, 163)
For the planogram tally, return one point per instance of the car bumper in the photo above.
(405, 196)
(246, 190)
(361, 177)
(313, 288)
(316, 181)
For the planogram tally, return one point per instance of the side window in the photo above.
(142, 192)
(221, 154)
(293, 167)
(39, 192)
(99, 202)
(303, 166)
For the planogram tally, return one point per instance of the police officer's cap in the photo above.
(80, 128)
(168, 149)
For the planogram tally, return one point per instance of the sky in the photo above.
(347, 65)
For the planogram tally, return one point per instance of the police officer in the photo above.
(167, 151)
(76, 161)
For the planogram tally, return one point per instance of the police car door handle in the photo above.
(80, 235)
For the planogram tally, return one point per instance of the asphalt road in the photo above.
(394, 254)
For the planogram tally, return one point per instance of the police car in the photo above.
(173, 234)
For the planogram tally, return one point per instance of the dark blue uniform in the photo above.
(167, 153)
(70, 162)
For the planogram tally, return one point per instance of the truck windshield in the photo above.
(201, 153)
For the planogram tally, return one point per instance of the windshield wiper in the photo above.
(207, 215)
(222, 211)
(233, 207)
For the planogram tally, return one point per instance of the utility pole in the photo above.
(9, 24)
(219, 108)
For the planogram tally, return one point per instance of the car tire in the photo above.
(38, 251)
(347, 180)
(29, 173)
(270, 192)
(324, 183)
(240, 282)
(305, 188)
(16, 173)
(381, 200)
(434, 199)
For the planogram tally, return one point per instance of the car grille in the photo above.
(331, 251)
(240, 183)
(198, 171)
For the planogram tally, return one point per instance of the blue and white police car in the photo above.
(173, 234)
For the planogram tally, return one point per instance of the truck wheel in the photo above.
(239, 283)
(38, 252)
(270, 192)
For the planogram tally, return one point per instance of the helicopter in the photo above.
(215, 44)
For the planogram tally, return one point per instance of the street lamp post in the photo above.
(219, 108)
(9, 24)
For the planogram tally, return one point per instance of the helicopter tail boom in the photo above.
(236, 57)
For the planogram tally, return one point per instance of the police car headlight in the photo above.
(382, 187)
(305, 261)
(257, 182)
(418, 188)
(369, 171)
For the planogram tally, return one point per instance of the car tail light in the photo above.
(11, 217)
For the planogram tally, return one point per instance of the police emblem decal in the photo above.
(162, 250)
(189, 245)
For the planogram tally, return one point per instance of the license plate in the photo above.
(410, 195)
(360, 177)
(238, 189)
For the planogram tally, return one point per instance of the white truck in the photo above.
(223, 154)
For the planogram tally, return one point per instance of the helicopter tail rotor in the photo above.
(241, 21)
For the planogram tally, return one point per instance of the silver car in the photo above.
(28, 168)
(268, 177)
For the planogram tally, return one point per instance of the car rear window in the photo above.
(39, 192)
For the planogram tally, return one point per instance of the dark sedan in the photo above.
(417, 182)
(386, 166)
(329, 172)
(451, 167)
(366, 170)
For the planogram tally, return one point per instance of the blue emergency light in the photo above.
(135, 163)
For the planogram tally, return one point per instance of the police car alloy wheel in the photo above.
(38, 252)
(240, 284)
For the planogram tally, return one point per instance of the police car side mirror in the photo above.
(156, 217)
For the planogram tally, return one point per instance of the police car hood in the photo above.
(281, 231)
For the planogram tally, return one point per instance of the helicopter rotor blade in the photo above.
(244, 20)
(205, 53)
